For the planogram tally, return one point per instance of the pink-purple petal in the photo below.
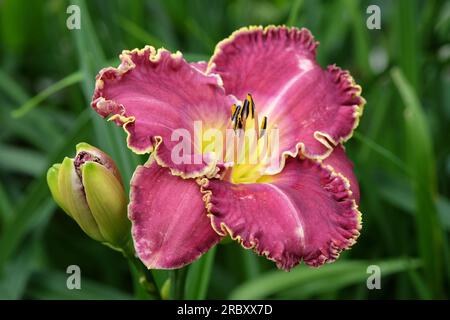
(304, 213)
(340, 163)
(152, 93)
(200, 65)
(170, 226)
(314, 109)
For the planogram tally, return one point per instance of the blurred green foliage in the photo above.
(401, 149)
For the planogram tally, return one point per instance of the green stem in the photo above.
(145, 277)
(178, 279)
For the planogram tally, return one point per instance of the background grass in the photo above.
(401, 149)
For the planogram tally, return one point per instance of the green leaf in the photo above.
(140, 34)
(293, 14)
(401, 196)
(10, 88)
(310, 282)
(37, 202)
(52, 284)
(44, 94)
(421, 165)
(21, 160)
(199, 275)
(6, 210)
(407, 47)
(360, 35)
(109, 138)
(17, 273)
(380, 150)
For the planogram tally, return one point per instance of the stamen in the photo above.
(252, 105)
(245, 108)
(250, 150)
(245, 117)
(239, 123)
(263, 127)
(235, 112)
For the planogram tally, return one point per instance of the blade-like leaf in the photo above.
(309, 281)
(199, 275)
(421, 165)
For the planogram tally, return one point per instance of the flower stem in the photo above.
(144, 277)
(178, 279)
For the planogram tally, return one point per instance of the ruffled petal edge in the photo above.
(117, 112)
(328, 254)
(342, 79)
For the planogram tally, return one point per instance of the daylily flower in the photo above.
(89, 189)
(303, 207)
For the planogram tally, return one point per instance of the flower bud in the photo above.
(89, 189)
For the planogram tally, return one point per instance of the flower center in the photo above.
(252, 141)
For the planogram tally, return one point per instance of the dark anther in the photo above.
(236, 112)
